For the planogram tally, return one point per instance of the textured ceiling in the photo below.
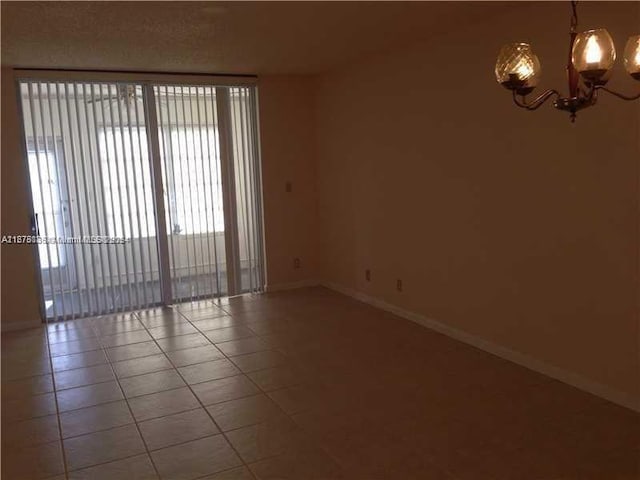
(219, 37)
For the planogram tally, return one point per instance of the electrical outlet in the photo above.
(288, 187)
(367, 275)
(296, 263)
(399, 285)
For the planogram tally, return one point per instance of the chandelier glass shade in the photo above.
(632, 57)
(592, 55)
(518, 68)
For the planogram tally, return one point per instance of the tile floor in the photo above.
(305, 384)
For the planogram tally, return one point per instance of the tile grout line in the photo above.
(176, 310)
(250, 380)
(147, 420)
(198, 398)
(144, 327)
(329, 454)
(55, 399)
(161, 351)
(312, 437)
(128, 407)
(244, 374)
(156, 449)
(149, 373)
(245, 464)
(109, 461)
(104, 350)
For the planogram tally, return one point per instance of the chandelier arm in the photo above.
(536, 103)
(590, 95)
(619, 95)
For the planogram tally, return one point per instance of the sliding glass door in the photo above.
(143, 194)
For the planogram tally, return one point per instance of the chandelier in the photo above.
(591, 57)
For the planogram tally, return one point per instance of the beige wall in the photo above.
(19, 294)
(288, 155)
(516, 227)
(290, 218)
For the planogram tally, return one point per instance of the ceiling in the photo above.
(220, 37)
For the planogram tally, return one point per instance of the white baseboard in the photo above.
(13, 326)
(565, 376)
(291, 286)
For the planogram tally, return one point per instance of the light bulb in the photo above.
(523, 71)
(594, 52)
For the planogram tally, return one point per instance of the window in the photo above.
(194, 182)
(127, 183)
(46, 201)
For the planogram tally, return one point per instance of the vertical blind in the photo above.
(189, 139)
(246, 179)
(89, 153)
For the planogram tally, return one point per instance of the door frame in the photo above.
(151, 125)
